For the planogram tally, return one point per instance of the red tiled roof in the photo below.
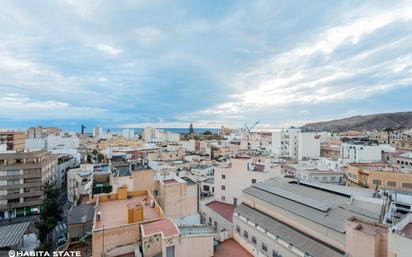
(166, 226)
(231, 248)
(223, 209)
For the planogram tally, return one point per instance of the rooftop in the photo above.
(114, 213)
(300, 240)
(231, 248)
(81, 214)
(223, 209)
(326, 206)
(164, 226)
(194, 230)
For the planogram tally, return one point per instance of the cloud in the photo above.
(108, 49)
(277, 62)
(22, 107)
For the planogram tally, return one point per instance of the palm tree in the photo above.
(388, 131)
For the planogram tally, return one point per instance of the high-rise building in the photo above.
(295, 144)
(22, 175)
(14, 140)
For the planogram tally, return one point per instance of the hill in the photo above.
(363, 122)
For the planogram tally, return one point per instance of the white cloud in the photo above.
(22, 107)
(108, 49)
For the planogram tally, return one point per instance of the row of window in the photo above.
(263, 246)
(392, 183)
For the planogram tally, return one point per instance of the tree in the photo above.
(95, 152)
(388, 131)
(100, 157)
(51, 214)
(207, 133)
(191, 130)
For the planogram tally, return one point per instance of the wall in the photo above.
(199, 246)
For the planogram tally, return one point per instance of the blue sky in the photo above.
(168, 63)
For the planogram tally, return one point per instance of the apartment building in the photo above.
(360, 151)
(241, 172)
(330, 150)
(158, 136)
(42, 132)
(22, 175)
(377, 176)
(14, 140)
(79, 182)
(295, 144)
(281, 218)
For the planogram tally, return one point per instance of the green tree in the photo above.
(100, 157)
(388, 131)
(95, 152)
(51, 214)
(207, 133)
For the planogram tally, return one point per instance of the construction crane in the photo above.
(248, 129)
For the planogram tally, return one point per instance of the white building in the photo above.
(128, 133)
(155, 135)
(239, 173)
(295, 144)
(360, 151)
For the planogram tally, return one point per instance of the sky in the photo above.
(137, 63)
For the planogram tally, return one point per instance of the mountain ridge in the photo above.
(369, 122)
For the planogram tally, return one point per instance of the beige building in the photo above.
(126, 220)
(241, 172)
(366, 239)
(14, 140)
(280, 218)
(42, 132)
(178, 197)
(22, 175)
(400, 238)
(378, 175)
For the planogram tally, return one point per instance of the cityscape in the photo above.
(205, 128)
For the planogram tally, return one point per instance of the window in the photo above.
(324, 179)
(13, 191)
(332, 179)
(16, 200)
(223, 198)
(13, 172)
(254, 240)
(223, 187)
(13, 181)
(237, 229)
(245, 234)
(376, 182)
(407, 185)
(391, 183)
(275, 254)
(253, 180)
(264, 247)
(223, 176)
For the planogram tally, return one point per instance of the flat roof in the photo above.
(223, 209)
(194, 230)
(164, 226)
(231, 248)
(11, 235)
(81, 214)
(320, 205)
(298, 239)
(114, 213)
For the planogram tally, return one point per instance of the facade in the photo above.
(14, 140)
(22, 175)
(79, 182)
(42, 132)
(378, 175)
(241, 172)
(400, 238)
(158, 136)
(360, 151)
(295, 144)
(280, 218)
